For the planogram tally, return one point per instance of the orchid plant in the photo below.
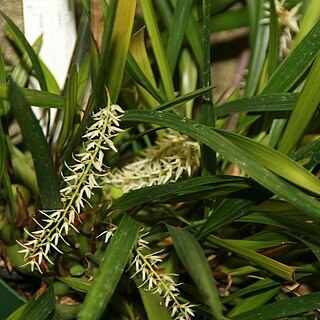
(150, 195)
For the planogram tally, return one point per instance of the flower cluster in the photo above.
(288, 21)
(171, 157)
(79, 185)
(146, 265)
(163, 284)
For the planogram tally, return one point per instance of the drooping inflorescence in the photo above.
(88, 167)
(173, 156)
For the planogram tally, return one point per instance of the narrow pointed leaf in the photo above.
(172, 104)
(283, 309)
(70, 107)
(276, 162)
(34, 98)
(257, 300)
(37, 308)
(276, 267)
(171, 190)
(292, 69)
(111, 268)
(303, 112)
(120, 41)
(193, 258)
(39, 148)
(261, 103)
(152, 302)
(157, 45)
(177, 31)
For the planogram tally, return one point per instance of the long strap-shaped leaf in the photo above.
(276, 267)
(261, 103)
(276, 162)
(34, 98)
(37, 308)
(290, 71)
(233, 153)
(111, 268)
(183, 187)
(39, 148)
(283, 309)
(120, 41)
(193, 258)
(304, 110)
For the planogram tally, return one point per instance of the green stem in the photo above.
(208, 155)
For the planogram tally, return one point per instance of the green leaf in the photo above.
(276, 267)
(177, 31)
(76, 284)
(70, 108)
(308, 155)
(152, 302)
(24, 46)
(2, 107)
(34, 98)
(282, 309)
(259, 43)
(10, 299)
(137, 74)
(174, 103)
(261, 103)
(276, 162)
(37, 144)
(110, 270)
(295, 65)
(231, 152)
(157, 46)
(185, 187)
(229, 20)
(120, 41)
(37, 308)
(208, 155)
(274, 40)
(188, 79)
(137, 61)
(292, 219)
(303, 112)
(2, 152)
(193, 258)
(262, 284)
(257, 300)
(233, 207)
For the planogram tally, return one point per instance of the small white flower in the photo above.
(288, 21)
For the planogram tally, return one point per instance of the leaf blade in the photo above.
(33, 135)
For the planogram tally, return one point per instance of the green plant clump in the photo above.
(154, 193)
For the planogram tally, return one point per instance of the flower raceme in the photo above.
(79, 184)
(172, 156)
(145, 264)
